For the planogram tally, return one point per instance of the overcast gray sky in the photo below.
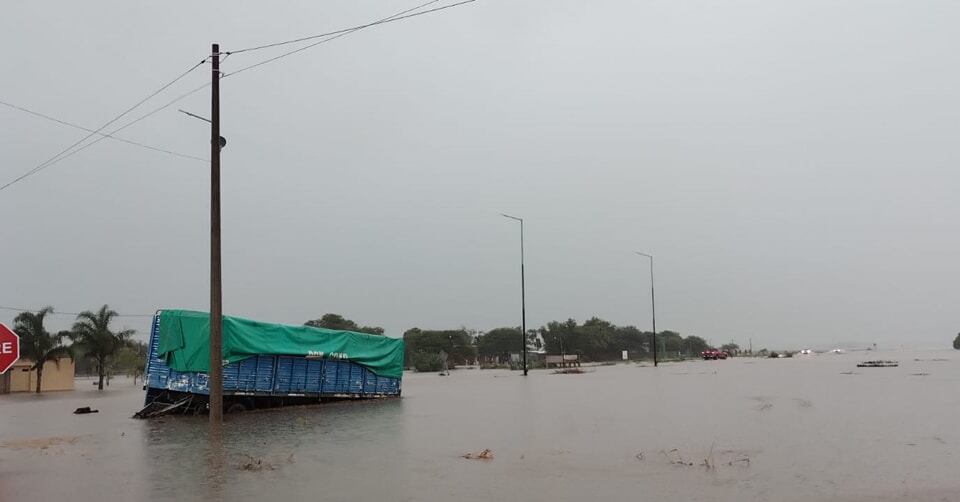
(791, 165)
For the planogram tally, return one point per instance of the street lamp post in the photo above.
(523, 297)
(653, 308)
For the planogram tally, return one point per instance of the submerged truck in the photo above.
(264, 365)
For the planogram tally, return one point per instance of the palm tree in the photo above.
(37, 344)
(92, 335)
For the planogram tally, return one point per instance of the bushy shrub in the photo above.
(426, 362)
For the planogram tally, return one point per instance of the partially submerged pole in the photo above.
(523, 304)
(653, 307)
(653, 313)
(523, 298)
(216, 297)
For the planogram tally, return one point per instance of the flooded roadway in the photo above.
(804, 428)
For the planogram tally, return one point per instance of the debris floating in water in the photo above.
(257, 464)
(673, 456)
(878, 364)
(485, 454)
(84, 410)
(732, 458)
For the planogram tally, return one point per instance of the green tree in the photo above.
(730, 348)
(457, 343)
(499, 342)
(634, 341)
(956, 342)
(338, 322)
(130, 359)
(670, 341)
(426, 362)
(561, 337)
(596, 338)
(95, 340)
(695, 345)
(37, 344)
(600, 340)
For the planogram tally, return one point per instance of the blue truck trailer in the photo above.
(264, 365)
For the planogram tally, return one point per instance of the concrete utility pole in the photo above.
(216, 294)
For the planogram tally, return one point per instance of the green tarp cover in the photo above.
(184, 343)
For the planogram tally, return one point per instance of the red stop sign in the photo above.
(9, 348)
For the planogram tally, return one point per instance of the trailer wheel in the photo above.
(236, 408)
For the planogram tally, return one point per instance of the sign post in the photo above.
(9, 348)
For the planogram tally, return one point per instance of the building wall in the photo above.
(24, 379)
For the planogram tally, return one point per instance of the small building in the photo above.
(57, 375)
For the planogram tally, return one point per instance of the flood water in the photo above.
(804, 428)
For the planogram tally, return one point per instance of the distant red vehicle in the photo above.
(714, 354)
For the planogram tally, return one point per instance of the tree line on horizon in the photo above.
(95, 346)
(594, 340)
(93, 343)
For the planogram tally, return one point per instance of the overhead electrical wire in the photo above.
(333, 35)
(64, 153)
(343, 30)
(325, 37)
(395, 17)
(162, 107)
(111, 136)
(128, 124)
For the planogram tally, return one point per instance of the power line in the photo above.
(64, 153)
(17, 309)
(142, 117)
(101, 138)
(117, 138)
(311, 37)
(163, 107)
(339, 33)
(72, 150)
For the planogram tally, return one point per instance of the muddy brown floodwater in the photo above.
(806, 428)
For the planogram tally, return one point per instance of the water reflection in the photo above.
(216, 465)
(813, 429)
(332, 445)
